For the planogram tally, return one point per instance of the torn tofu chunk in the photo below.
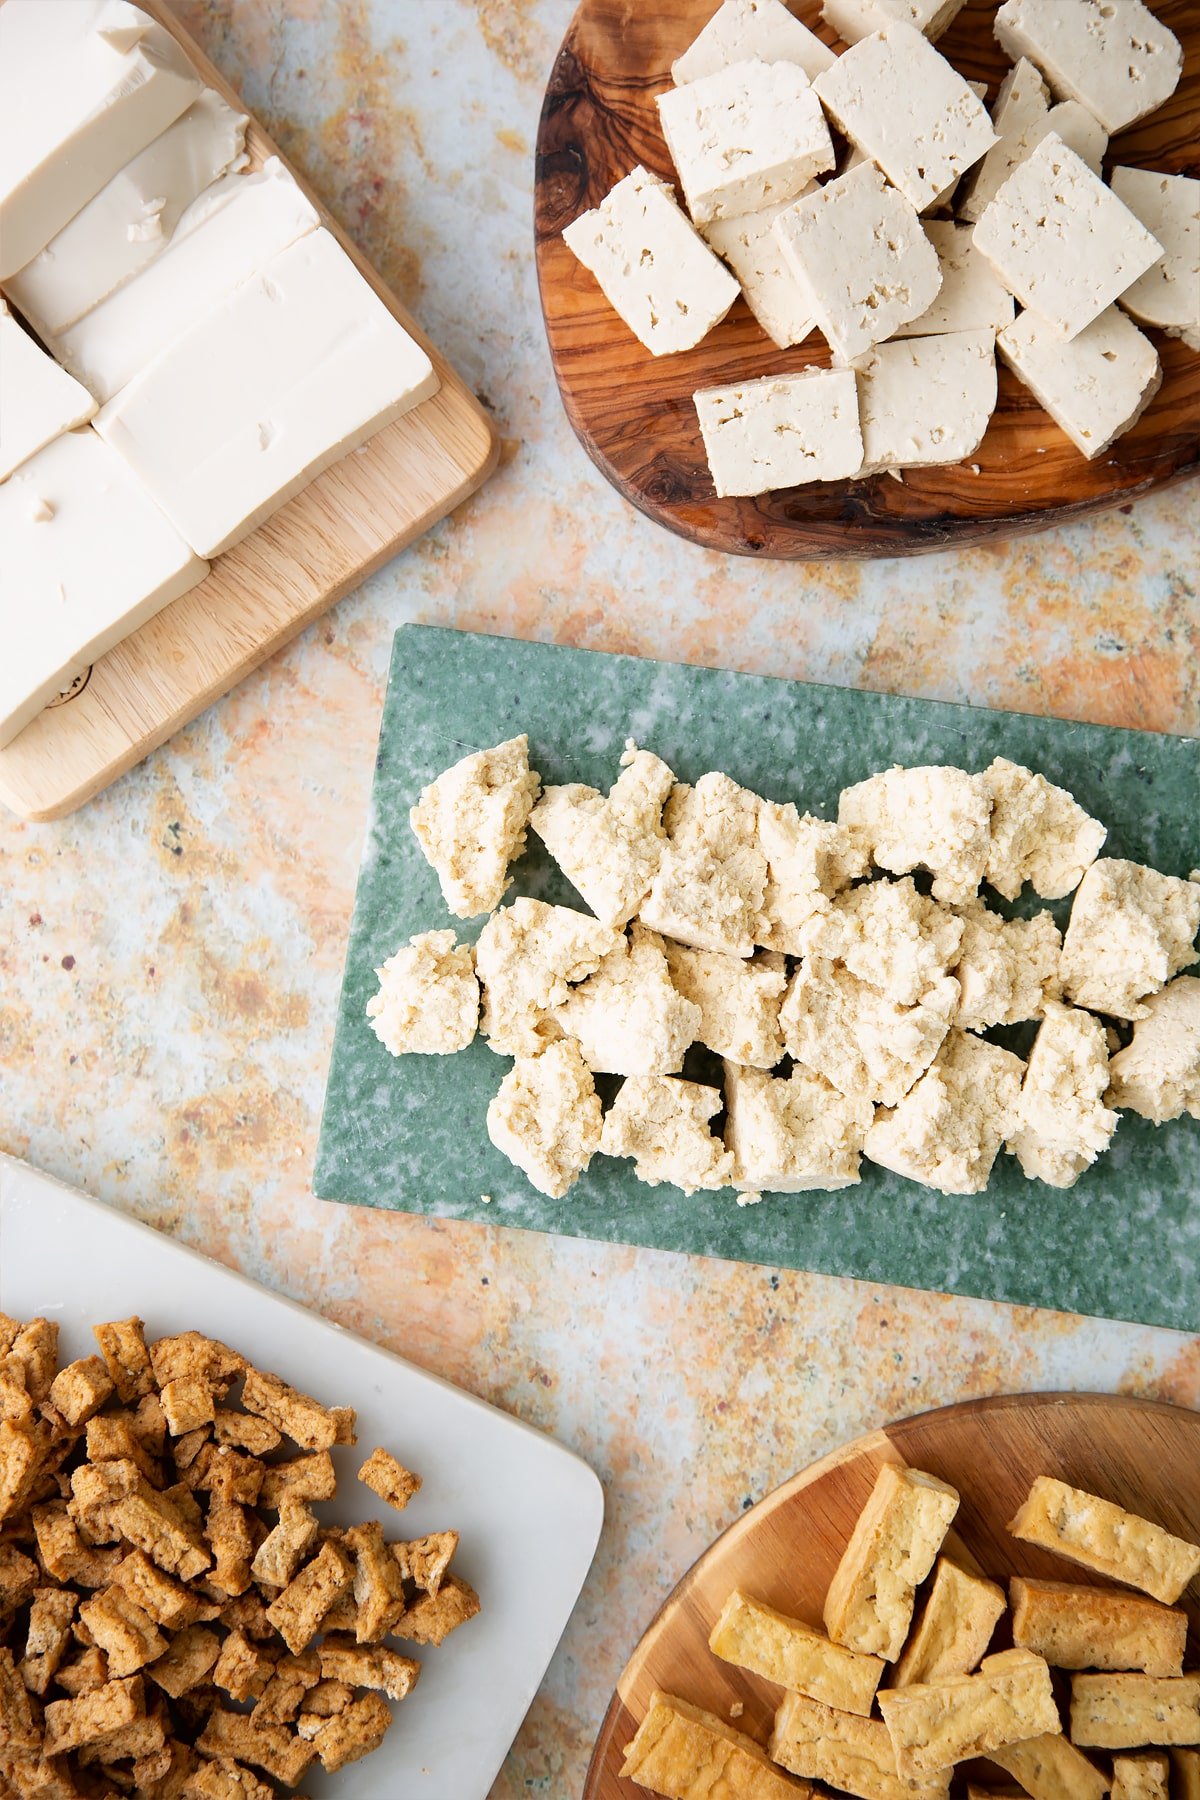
(955, 1627)
(947, 1130)
(238, 1430)
(352, 1733)
(663, 1124)
(792, 1134)
(653, 267)
(471, 822)
(287, 1545)
(1007, 969)
(609, 846)
(369, 1666)
(303, 1478)
(937, 1724)
(869, 1605)
(80, 1390)
(629, 1018)
(1125, 1712)
(47, 1637)
(190, 1353)
(35, 1348)
(546, 1117)
(297, 1415)
(70, 1724)
(428, 998)
(708, 891)
(1168, 294)
(424, 1560)
(742, 29)
(22, 1453)
(849, 1753)
(187, 1661)
(303, 1604)
(1050, 1765)
(1038, 832)
(1130, 930)
(780, 432)
(119, 1494)
(292, 1684)
(1103, 1537)
(388, 1478)
(1113, 56)
(738, 1003)
(685, 1753)
(784, 1650)
(1060, 1124)
(809, 861)
(926, 400)
(432, 1618)
(1096, 1628)
(527, 956)
(19, 1730)
(888, 935)
(159, 1596)
(1096, 387)
(243, 1669)
(225, 1780)
(1158, 1072)
(123, 1346)
(772, 290)
(1143, 1777)
(855, 19)
(273, 1748)
(378, 1584)
(187, 1404)
(936, 819)
(128, 1636)
(745, 137)
(19, 1576)
(970, 297)
(860, 1040)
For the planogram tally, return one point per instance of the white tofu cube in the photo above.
(926, 400)
(38, 400)
(740, 29)
(1094, 388)
(855, 19)
(901, 102)
(1167, 295)
(1113, 56)
(970, 297)
(1068, 120)
(85, 559)
(1061, 241)
(1023, 99)
(774, 292)
(858, 247)
(781, 431)
(749, 136)
(653, 268)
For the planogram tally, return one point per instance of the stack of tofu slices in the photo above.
(909, 260)
(205, 347)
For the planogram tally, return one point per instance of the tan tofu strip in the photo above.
(1094, 1628)
(1145, 1777)
(1125, 1712)
(852, 1754)
(899, 1532)
(937, 1724)
(784, 1650)
(1185, 1774)
(685, 1753)
(1102, 1536)
(1050, 1768)
(954, 1629)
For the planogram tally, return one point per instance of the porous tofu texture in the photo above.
(1051, 1766)
(970, 297)
(546, 1117)
(849, 1753)
(1039, 833)
(1131, 929)
(629, 1018)
(653, 268)
(1023, 100)
(753, 1636)
(609, 847)
(857, 246)
(709, 888)
(781, 432)
(1158, 1072)
(1007, 969)
(808, 862)
(888, 935)
(1167, 295)
(738, 1002)
(1095, 388)
(471, 821)
(662, 1123)
(527, 956)
(954, 1629)
(855, 19)
(947, 1130)
(742, 29)
(773, 291)
(934, 1725)
(792, 1134)
(902, 103)
(745, 137)
(1124, 1712)
(923, 818)
(1060, 1122)
(1102, 1536)
(860, 1040)
(681, 1751)
(1145, 1776)
(1068, 120)
(1113, 56)
(1061, 241)
(869, 1604)
(926, 401)
(428, 999)
(1097, 1628)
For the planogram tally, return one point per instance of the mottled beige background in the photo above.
(170, 957)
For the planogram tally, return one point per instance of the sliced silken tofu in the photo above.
(38, 400)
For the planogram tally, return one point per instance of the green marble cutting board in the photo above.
(409, 1133)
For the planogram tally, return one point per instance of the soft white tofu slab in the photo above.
(774, 292)
(84, 86)
(781, 431)
(1168, 295)
(970, 298)
(1095, 387)
(1067, 120)
(86, 557)
(1113, 56)
(1023, 99)
(740, 29)
(38, 400)
(855, 19)
(747, 137)
(132, 220)
(295, 368)
(1061, 241)
(926, 400)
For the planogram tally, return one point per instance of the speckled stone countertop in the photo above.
(170, 957)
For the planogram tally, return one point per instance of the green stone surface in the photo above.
(409, 1133)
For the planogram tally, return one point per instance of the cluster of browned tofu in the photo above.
(176, 1622)
(944, 1703)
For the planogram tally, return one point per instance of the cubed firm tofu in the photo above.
(926, 400)
(1097, 386)
(1131, 929)
(1102, 1536)
(38, 400)
(1113, 56)
(971, 298)
(742, 29)
(934, 1725)
(682, 1752)
(744, 138)
(774, 291)
(855, 19)
(1060, 1123)
(1168, 294)
(781, 431)
(896, 1539)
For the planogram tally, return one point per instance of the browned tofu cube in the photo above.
(22, 1455)
(272, 1748)
(163, 1598)
(242, 1431)
(303, 1604)
(293, 1678)
(191, 1353)
(226, 1780)
(389, 1479)
(187, 1404)
(187, 1661)
(228, 1532)
(285, 1548)
(243, 1668)
(70, 1724)
(435, 1616)
(686, 1753)
(18, 1727)
(62, 1551)
(353, 1733)
(123, 1346)
(298, 1416)
(378, 1583)
(47, 1637)
(303, 1478)
(35, 1347)
(128, 1636)
(424, 1561)
(18, 1578)
(84, 1673)
(80, 1390)
(111, 1438)
(373, 1666)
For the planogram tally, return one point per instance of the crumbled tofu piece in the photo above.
(742, 29)
(1007, 969)
(781, 431)
(424, 1560)
(869, 1605)
(754, 1636)
(970, 297)
(1130, 930)
(242, 1668)
(934, 1725)
(1039, 833)
(123, 1346)
(858, 1038)
(709, 888)
(902, 103)
(546, 1117)
(609, 848)
(849, 1753)
(1158, 1073)
(527, 956)
(923, 818)
(809, 861)
(629, 1018)
(792, 1134)
(1061, 241)
(686, 1753)
(1144, 1777)
(773, 291)
(1051, 1767)
(1096, 1628)
(1095, 388)
(303, 1604)
(1168, 294)
(947, 1130)
(954, 1629)
(428, 999)
(471, 822)
(888, 935)
(746, 137)
(1113, 56)
(432, 1618)
(926, 400)
(1061, 1123)
(1104, 1537)
(653, 268)
(855, 19)
(662, 1123)
(857, 246)
(1068, 120)
(297, 1415)
(738, 1003)
(1123, 1712)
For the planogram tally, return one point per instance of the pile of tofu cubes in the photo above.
(205, 347)
(910, 258)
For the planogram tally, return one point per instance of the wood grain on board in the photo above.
(784, 1551)
(633, 412)
(314, 550)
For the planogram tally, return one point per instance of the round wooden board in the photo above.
(633, 412)
(1144, 1455)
